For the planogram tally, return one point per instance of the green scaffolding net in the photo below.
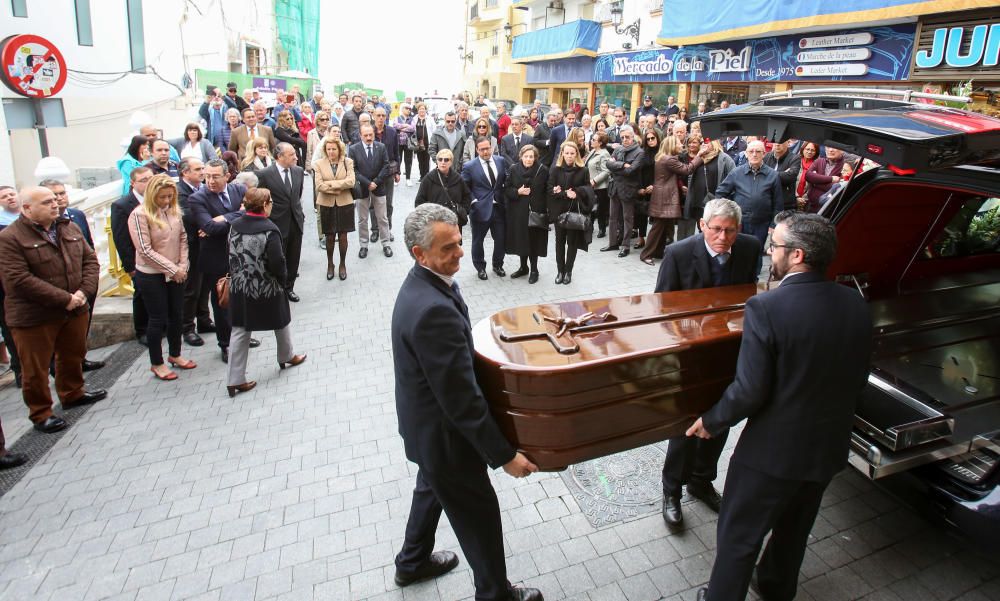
(298, 32)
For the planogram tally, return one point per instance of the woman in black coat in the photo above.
(444, 186)
(525, 191)
(650, 146)
(257, 299)
(569, 190)
(287, 131)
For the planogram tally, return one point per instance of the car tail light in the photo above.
(901, 171)
(874, 149)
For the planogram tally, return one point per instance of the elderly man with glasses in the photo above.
(757, 189)
(719, 256)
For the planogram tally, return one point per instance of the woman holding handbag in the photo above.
(444, 186)
(423, 129)
(570, 199)
(335, 180)
(527, 234)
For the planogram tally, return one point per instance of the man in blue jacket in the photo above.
(757, 189)
(484, 175)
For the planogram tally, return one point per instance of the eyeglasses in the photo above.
(444, 160)
(214, 176)
(716, 230)
(772, 246)
(449, 122)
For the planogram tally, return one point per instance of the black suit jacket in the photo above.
(803, 362)
(184, 192)
(287, 207)
(213, 255)
(685, 264)
(510, 151)
(443, 418)
(375, 170)
(556, 138)
(120, 211)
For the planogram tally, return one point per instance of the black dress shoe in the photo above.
(141, 339)
(526, 594)
(440, 562)
(623, 252)
(292, 296)
(17, 379)
(705, 493)
(207, 328)
(499, 271)
(89, 398)
(559, 278)
(254, 343)
(387, 251)
(52, 424)
(225, 355)
(532, 277)
(12, 460)
(567, 277)
(672, 512)
(601, 233)
(193, 339)
(520, 273)
(482, 274)
(363, 252)
(702, 594)
(610, 248)
(374, 237)
(92, 365)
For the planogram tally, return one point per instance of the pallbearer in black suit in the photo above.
(719, 256)
(803, 362)
(284, 180)
(445, 423)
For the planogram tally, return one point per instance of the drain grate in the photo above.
(34, 445)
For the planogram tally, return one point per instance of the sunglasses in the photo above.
(444, 160)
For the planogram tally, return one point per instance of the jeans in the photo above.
(165, 305)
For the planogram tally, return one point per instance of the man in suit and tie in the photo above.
(372, 169)
(120, 211)
(559, 134)
(543, 135)
(248, 131)
(446, 426)
(803, 363)
(196, 292)
(284, 179)
(512, 143)
(214, 206)
(719, 256)
(485, 175)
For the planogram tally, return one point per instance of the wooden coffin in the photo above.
(569, 382)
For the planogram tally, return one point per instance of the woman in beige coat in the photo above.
(334, 181)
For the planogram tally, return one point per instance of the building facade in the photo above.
(487, 67)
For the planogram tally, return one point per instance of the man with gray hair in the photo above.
(803, 363)
(757, 189)
(624, 166)
(444, 419)
(718, 256)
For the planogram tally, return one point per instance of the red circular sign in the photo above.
(32, 66)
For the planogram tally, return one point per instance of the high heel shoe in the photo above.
(639, 244)
(167, 378)
(559, 278)
(329, 273)
(244, 387)
(189, 364)
(295, 360)
(343, 273)
(567, 277)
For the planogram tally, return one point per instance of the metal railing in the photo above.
(96, 205)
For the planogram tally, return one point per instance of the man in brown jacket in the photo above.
(48, 271)
(248, 131)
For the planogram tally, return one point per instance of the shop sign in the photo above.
(950, 48)
(881, 53)
(32, 66)
(268, 88)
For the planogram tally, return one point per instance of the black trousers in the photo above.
(407, 161)
(423, 162)
(165, 304)
(223, 327)
(140, 317)
(469, 501)
(567, 242)
(691, 459)
(496, 227)
(602, 208)
(293, 253)
(196, 299)
(754, 504)
(8, 338)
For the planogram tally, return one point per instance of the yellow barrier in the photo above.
(123, 285)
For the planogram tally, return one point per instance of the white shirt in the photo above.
(448, 280)
(790, 274)
(191, 150)
(713, 254)
(486, 170)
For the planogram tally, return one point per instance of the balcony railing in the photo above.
(96, 205)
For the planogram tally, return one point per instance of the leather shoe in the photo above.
(295, 360)
(672, 512)
(387, 251)
(225, 355)
(440, 562)
(193, 339)
(610, 248)
(623, 252)
(12, 460)
(363, 252)
(254, 343)
(207, 328)
(374, 237)
(559, 278)
(88, 398)
(602, 233)
(526, 594)
(482, 274)
(520, 273)
(51, 425)
(702, 594)
(92, 365)
(292, 296)
(141, 339)
(567, 277)
(532, 277)
(705, 493)
(499, 271)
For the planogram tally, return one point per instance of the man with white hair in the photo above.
(757, 189)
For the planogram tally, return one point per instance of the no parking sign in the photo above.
(32, 66)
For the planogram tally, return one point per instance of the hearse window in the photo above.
(974, 230)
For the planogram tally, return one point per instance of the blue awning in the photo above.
(719, 20)
(578, 38)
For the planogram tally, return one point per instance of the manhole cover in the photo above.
(619, 486)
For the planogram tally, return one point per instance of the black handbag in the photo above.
(460, 212)
(574, 221)
(539, 220)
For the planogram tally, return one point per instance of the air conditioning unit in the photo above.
(556, 4)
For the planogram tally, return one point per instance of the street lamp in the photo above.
(508, 31)
(631, 30)
(462, 56)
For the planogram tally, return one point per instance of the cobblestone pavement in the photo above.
(300, 490)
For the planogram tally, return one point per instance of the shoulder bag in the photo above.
(460, 212)
(222, 291)
(571, 220)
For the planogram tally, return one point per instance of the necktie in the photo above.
(368, 150)
(493, 177)
(288, 182)
(224, 196)
(454, 286)
(517, 141)
(722, 258)
(253, 133)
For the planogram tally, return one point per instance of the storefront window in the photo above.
(614, 95)
(712, 94)
(660, 93)
(577, 99)
(540, 94)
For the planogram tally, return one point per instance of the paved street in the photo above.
(299, 489)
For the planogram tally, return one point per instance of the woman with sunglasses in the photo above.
(316, 134)
(650, 146)
(443, 185)
(482, 128)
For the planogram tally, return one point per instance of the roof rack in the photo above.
(906, 95)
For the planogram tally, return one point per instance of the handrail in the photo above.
(906, 95)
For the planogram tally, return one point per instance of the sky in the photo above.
(399, 45)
